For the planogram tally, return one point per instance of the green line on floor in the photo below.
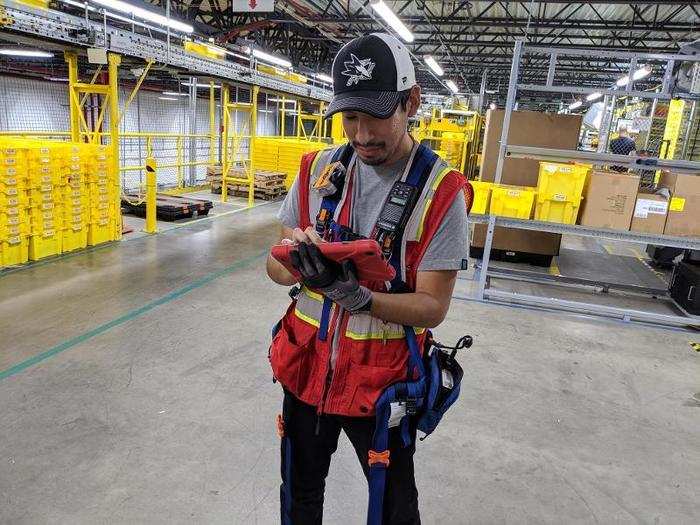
(132, 314)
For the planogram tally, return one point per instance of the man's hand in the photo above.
(307, 236)
(275, 269)
(336, 281)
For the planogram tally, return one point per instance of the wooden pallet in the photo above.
(263, 179)
(258, 194)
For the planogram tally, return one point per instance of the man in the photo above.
(622, 145)
(334, 366)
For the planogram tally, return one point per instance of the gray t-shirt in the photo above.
(371, 184)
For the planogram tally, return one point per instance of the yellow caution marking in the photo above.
(554, 268)
(695, 346)
(645, 262)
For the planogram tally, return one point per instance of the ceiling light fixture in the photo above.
(168, 98)
(175, 94)
(267, 57)
(575, 105)
(145, 14)
(593, 96)
(27, 53)
(324, 78)
(453, 87)
(637, 75)
(390, 18)
(199, 85)
(432, 64)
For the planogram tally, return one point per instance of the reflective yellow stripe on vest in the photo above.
(364, 327)
(429, 200)
(309, 307)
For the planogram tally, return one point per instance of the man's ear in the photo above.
(413, 101)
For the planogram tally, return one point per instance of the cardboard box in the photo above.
(650, 213)
(684, 208)
(512, 239)
(527, 128)
(609, 200)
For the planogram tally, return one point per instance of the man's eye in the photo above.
(350, 117)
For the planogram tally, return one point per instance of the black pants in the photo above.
(305, 464)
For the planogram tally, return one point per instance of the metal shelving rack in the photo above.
(483, 274)
(68, 29)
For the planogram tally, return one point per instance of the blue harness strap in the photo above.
(325, 319)
(329, 203)
(423, 162)
(412, 392)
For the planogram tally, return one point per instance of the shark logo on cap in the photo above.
(358, 69)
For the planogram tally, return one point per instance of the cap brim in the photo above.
(378, 104)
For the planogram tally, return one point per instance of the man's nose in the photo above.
(364, 132)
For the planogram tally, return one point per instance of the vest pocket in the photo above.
(291, 354)
(368, 383)
(373, 342)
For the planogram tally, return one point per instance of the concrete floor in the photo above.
(135, 388)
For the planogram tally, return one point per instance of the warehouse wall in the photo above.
(33, 105)
(36, 105)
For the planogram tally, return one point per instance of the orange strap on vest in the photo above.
(379, 457)
(280, 426)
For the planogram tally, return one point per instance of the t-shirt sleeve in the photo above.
(449, 247)
(289, 212)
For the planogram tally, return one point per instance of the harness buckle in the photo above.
(378, 457)
(294, 291)
(330, 179)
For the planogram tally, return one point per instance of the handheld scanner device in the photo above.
(394, 215)
(329, 185)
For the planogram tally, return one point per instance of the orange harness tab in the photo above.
(324, 180)
(280, 426)
(379, 457)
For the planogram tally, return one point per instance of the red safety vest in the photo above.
(371, 354)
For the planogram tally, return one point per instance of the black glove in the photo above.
(336, 281)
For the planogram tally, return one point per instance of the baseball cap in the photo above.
(369, 74)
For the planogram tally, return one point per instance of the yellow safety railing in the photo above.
(179, 144)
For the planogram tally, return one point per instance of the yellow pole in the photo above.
(284, 113)
(337, 128)
(151, 189)
(299, 125)
(224, 143)
(72, 60)
(180, 159)
(465, 148)
(253, 133)
(212, 124)
(324, 122)
(113, 61)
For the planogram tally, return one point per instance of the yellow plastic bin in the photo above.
(482, 196)
(74, 237)
(550, 210)
(512, 201)
(45, 244)
(561, 182)
(100, 231)
(14, 250)
(559, 190)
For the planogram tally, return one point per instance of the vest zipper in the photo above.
(336, 320)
